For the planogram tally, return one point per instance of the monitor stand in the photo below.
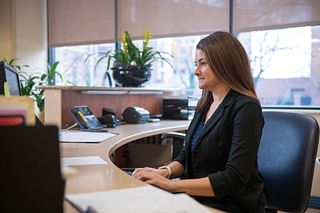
(38, 122)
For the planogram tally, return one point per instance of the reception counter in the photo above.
(59, 100)
(105, 177)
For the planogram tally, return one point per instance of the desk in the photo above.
(95, 178)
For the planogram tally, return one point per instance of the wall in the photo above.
(23, 33)
(6, 34)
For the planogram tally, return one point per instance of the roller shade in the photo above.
(253, 15)
(169, 18)
(77, 22)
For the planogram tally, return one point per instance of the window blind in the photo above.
(170, 18)
(76, 22)
(253, 15)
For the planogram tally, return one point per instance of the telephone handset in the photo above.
(85, 119)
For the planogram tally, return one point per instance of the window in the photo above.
(285, 65)
(77, 68)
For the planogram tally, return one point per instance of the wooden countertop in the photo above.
(107, 88)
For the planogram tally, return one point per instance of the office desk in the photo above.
(95, 178)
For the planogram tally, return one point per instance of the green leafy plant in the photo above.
(50, 77)
(129, 54)
(27, 82)
(11, 63)
(30, 81)
(47, 78)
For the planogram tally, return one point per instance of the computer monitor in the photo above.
(9, 80)
(10, 83)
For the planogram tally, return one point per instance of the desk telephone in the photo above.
(85, 119)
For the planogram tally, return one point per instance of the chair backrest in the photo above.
(177, 142)
(286, 159)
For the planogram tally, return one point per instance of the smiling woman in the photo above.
(218, 164)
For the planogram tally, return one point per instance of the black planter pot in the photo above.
(131, 76)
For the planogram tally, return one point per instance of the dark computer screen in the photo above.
(9, 76)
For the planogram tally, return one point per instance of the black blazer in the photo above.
(226, 152)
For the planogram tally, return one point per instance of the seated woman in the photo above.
(218, 164)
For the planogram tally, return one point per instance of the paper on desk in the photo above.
(84, 137)
(78, 161)
(143, 199)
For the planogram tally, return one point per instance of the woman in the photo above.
(218, 164)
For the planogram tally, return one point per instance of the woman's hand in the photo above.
(137, 172)
(154, 177)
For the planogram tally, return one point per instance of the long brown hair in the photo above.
(229, 61)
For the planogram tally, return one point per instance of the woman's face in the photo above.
(206, 78)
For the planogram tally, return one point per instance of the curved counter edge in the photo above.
(147, 133)
(104, 177)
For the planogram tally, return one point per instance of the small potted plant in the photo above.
(131, 66)
(30, 81)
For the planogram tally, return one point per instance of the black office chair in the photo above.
(286, 158)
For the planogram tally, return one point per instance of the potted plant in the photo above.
(29, 82)
(132, 66)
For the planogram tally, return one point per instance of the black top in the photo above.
(226, 152)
